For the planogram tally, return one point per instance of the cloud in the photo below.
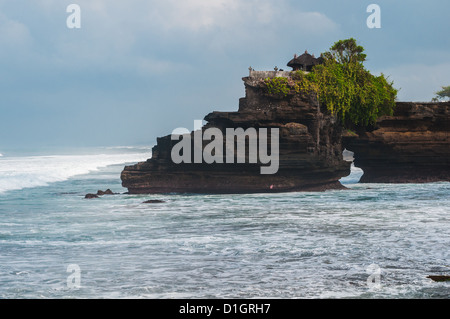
(209, 15)
(224, 26)
(146, 66)
(150, 36)
(13, 34)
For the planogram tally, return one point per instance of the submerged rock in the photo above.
(439, 278)
(100, 193)
(107, 192)
(153, 201)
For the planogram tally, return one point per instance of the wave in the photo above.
(128, 147)
(31, 171)
(354, 177)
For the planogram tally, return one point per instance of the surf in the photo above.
(18, 173)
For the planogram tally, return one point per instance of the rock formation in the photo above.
(439, 278)
(310, 151)
(107, 192)
(99, 193)
(153, 201)
(412, 146)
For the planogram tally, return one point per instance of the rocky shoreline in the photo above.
(411, 146)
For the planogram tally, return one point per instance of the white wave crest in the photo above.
(32, 171)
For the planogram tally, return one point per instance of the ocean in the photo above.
(369, 241)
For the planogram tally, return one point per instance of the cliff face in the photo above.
(310, 151)
(412, 146)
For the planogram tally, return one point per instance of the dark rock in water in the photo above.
(99, 193)
(310, 151)
(107, 192)
(439, 278)
(153, 201)
(412, 146)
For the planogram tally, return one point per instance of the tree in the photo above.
(347, 51)
(349, 90)
(442, 94)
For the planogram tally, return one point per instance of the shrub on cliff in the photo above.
(443, 94)
(282, 87)
(277, 86)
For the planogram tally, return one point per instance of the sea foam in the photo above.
(32, 171)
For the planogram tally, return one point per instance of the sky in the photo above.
(138, 69)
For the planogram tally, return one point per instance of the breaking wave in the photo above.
(31, 171)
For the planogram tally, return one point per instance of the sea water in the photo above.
(370, 241)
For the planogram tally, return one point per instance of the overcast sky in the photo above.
(137, 69)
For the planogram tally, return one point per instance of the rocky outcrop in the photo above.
(412, 146)
(153, 201)
(310, 151)
(439, 278)
(99, 193)
(107, 192)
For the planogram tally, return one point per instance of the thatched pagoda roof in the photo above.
(304, 62)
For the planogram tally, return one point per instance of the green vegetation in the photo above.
(278, 86)
(342, 83)
(442, 94)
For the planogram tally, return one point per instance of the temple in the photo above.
(304, 62)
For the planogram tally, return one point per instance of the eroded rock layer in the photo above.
(412, 146)
(310, 151)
